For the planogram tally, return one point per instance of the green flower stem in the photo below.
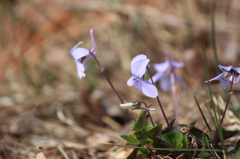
(204, 118)
(168, 149)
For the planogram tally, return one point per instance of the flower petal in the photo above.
(237, 69)
(219, 77)
(144, 86)
(236, 78)
(178, 79)
(78, 53)
(161, 67)
(139, 68)
(80, 69)
(131, 81)
(75, 47)
(94, 44)
(138, 58)
(177, 64)
(156, 77)
(225, 68)
(165, 83)
(149, 89)
(224, 83)
(138, 85)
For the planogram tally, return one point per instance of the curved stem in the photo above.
(148, 114)
(175, 99)
(224, 112)
(109, 81)
(160, 105)
(228, 100)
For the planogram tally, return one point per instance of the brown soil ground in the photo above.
(47, 111)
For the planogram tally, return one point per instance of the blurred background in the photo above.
(46, 108)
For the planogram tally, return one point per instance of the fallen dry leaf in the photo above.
(40, 156)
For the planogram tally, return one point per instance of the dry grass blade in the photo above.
(40, 156)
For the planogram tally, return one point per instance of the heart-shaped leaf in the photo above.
(141, 122)
(173, 138)
(131, 139)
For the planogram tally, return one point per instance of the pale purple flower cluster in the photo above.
(165, 70)
(230, 74)
(138, 68)
(81, 55)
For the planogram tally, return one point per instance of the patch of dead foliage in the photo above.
(48, 113)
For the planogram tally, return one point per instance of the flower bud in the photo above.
(131, 105)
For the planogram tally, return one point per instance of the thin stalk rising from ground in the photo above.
(228, 100)
(160, 105)
(175, 99)
(149, 114)
(109, 81)
(225, 110)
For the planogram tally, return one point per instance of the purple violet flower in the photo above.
(230, 74)
(81, 55)
(164, 71)
(138, 69)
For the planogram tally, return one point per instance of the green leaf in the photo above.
(143, 154)
(237, 154)
(153, 133)
(141, 122)
(156, 131)
(205, 141)
(131, 139)
(174, 138)
(139, 154)
(235, 151)
(197, 133)
(147, 128)
(143, 139)
(167, 130)
(185, 142)
(192, 124)
(205, 155)
(226, 135)
(172, 122)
